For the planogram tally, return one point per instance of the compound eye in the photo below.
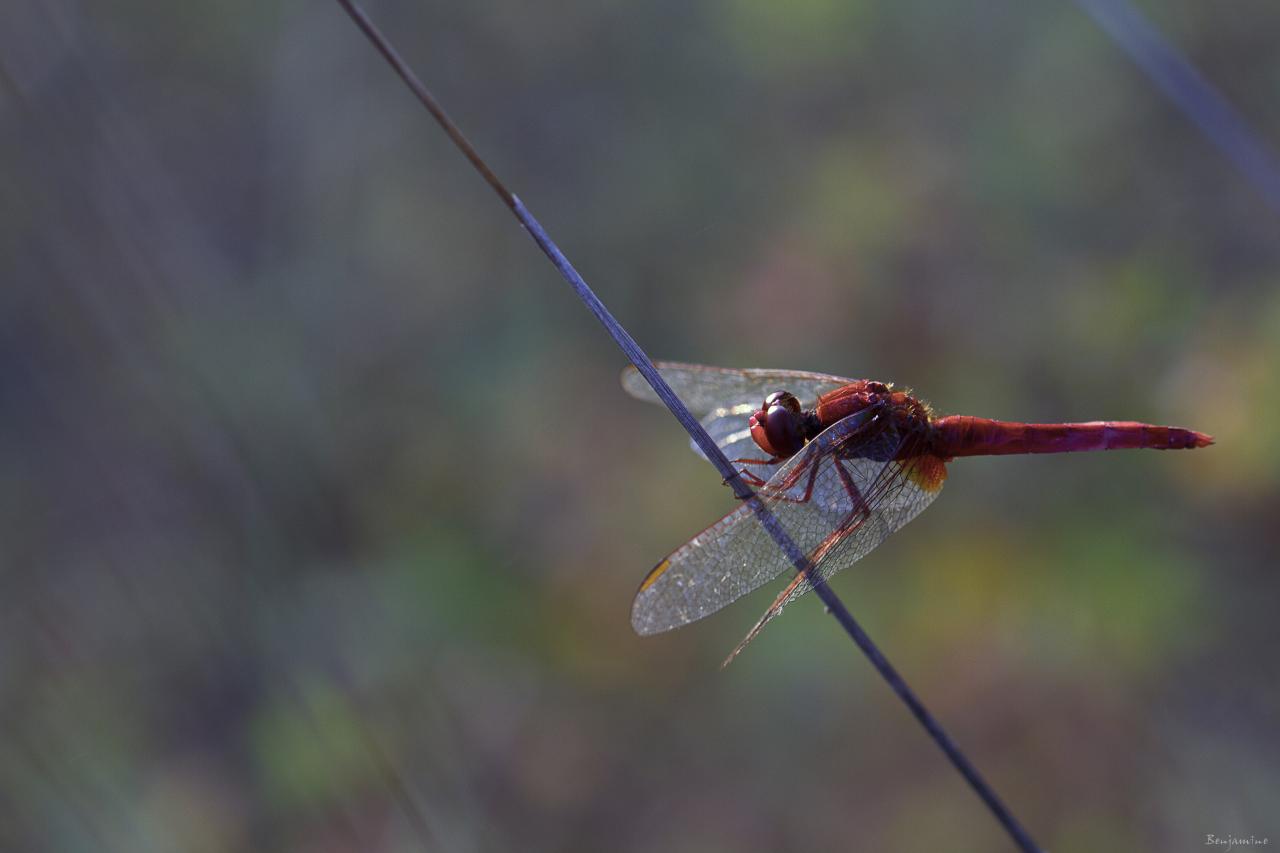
(782, 398)
(782, 425)
(777, 431)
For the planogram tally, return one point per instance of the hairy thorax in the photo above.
(904, 412)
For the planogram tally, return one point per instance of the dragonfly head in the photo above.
(779, 427)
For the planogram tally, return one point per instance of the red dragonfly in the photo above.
(842, 463)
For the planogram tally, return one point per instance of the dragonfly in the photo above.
(841, 464)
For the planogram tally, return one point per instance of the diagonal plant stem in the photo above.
(1188, 90)
(700, 437)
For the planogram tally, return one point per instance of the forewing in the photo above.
(731, 431)
(810, 499)
(900, 491)
(895, 492)
(705, 389)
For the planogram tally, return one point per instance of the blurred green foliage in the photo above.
(323, 508)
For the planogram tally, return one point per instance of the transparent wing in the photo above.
(725, 398)
(706, 389)
(729, 428)
(901, 490)
(909, 484)
(838, 498)
(731, 431)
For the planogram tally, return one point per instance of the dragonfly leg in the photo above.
(773, 460)
(858, 513)
(816, 451)
(751, 477)
(857, 516)
(814, 459)
(779, 492)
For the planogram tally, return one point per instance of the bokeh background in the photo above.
(323, 508)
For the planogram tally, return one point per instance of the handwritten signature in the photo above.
(1231, 842)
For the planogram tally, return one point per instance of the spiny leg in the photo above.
(751, 477)
(857, 516)
(779, 492)
(814, 452)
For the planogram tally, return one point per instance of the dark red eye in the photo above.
(781, 398)
(776, 428)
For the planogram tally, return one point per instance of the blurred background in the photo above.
(323, 508)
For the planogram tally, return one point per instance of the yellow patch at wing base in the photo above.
(928, 472)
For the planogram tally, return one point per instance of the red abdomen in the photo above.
(959, 435)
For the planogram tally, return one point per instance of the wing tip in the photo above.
(628, 377)
(642, 621)
(642, 627)
(634, 383)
